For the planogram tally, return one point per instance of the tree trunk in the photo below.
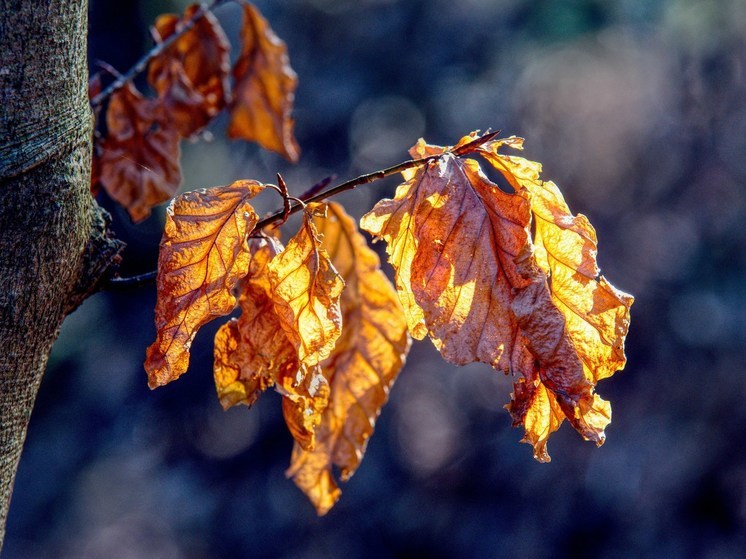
(53, 245)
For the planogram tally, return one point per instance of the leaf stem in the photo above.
(157, 49)
(345, 186)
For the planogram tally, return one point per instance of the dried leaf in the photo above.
(593, 313)
(361, 369)
(251, 351)
(305, 292)
(596, 313)
(467, 275)
(191, 75)
(264, 88)
(452, 236)
(203, 255)
(139, 160)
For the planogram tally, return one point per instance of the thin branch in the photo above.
(141, 64)
(300, 203)
(129, 282)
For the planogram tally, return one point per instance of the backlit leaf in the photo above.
(362, 367)
(251, 351)
(469, 275)
(264, 88)
(203, 255)
(593, 312)
(305, 292)
(139, 158)
(191, 75)
(452, 236)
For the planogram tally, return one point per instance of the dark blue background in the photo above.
(636, 108)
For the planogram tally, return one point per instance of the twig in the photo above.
(129, 282)
(141, 64)
(300, 203)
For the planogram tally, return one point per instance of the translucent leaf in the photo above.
(203, 255)
(452, 236)
(362, 367)
(469, 274)
(264, 88)
(251, 351)
(139, 158)
(305, 292)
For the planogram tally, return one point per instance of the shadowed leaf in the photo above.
(264, 88)
(139, 158)
(191, 75)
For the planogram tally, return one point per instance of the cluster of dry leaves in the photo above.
(137, 159)
(504, 278)
(322, 324)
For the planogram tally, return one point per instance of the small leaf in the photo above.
(305, 292)
(252, 351)
(203, 255)
(264, 88)
(139, 158)
(362, 367)
(191, 75)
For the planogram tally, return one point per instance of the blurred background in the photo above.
(636, 108)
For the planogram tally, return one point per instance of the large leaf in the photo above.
(452, 236)
(264, 88)
(203, 255)
(468, 274)
(362, 367)
(594, 314)
(191, 75)
(139, 158)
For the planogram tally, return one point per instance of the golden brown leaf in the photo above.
(467, 275)
(251, 351)
(594, 314)
(203, 255)
(305, 292)
(264, 88)
(139, 158)
(452, 236)
(191, 75)
(361, 369)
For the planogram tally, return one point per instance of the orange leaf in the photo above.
(452, 236)
(597, 314)
(191, 75)
(203, 255)
(467, 275)
(594, 313)
(251, 351)
(305, 292)
(362, 367)
(139, 159)
(264, 88)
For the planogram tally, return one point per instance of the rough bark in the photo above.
(53, 245)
